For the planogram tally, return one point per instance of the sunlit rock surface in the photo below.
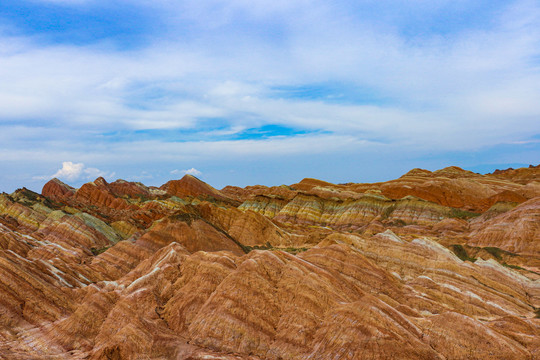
(433, 265)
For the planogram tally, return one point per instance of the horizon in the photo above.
(269, 92)
(268, 185)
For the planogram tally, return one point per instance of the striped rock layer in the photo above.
(434, 265)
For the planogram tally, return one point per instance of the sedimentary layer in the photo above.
(433, 265)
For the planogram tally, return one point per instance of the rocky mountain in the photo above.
(433, 265)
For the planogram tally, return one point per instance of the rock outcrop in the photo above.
(191, 186)
(57, 190)
(517, 230)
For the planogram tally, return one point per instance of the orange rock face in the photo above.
(57, 190)
(191, 186)
(434, 265)
(517, 230)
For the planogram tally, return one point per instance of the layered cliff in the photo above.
(434, 265)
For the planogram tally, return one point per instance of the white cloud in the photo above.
(75, 171)
(69, 171)
(191, 171)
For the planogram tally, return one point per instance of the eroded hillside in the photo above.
(433, 265)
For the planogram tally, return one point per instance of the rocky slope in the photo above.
(433, 265)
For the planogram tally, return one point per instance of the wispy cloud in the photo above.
(191, 171)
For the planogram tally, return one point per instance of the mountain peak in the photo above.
(100, 181)
(57, 190)
(190, 185)
(454, 172)
(418, 172)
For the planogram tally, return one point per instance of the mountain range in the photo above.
(432, 265)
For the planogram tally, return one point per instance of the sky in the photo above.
(240, 92)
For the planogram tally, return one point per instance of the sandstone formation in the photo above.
(191, 186)
(433, 265)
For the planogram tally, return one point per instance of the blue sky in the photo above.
(265, 92)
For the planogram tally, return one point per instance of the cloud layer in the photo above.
(223, 84)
